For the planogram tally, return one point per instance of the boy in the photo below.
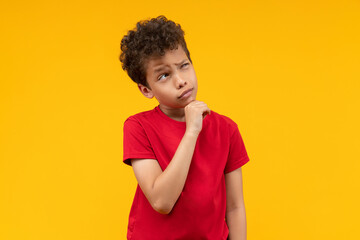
(187, 159)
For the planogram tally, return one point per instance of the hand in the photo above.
(195, 112)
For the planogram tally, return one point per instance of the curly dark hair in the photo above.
(150, 38)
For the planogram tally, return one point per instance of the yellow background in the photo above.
(286, 71)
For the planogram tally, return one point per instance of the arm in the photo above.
(163, 188)
(235, 207)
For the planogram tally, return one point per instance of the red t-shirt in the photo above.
(199, 213)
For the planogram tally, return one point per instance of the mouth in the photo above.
(186, 93)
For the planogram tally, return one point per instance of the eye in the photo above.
(162, 76)
(184, 65)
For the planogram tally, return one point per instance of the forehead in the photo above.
(171, 57)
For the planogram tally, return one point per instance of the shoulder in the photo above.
(222, 120)
(140, 117)
(137, 125)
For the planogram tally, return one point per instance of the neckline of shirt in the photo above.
(167, 118)
(172, 121)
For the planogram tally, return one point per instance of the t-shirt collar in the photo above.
(167, 118)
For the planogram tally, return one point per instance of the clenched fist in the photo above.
(195, 112)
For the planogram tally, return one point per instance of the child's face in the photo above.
(171, 79)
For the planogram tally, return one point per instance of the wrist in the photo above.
(191, 134)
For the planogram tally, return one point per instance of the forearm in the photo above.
(170, 183)
(236, 221)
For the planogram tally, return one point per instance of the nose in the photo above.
(180, 81)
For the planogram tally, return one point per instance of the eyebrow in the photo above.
(159, 69)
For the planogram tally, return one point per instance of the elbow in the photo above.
(164, 211)
(163, 208)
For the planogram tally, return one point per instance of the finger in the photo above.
(206, 112)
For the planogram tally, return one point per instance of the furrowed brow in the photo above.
(159, 69)
(182, 62)
(162, 67)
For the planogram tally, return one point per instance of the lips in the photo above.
(185, 92)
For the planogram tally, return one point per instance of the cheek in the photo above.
(193, 75)
(194, 80)
(163, 93)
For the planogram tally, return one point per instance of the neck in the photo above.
(177, 114)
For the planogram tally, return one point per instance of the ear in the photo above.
(145, 91)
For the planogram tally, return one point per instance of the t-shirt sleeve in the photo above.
(237, 152)
(136, 142)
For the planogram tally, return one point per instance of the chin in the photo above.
(188, 101)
